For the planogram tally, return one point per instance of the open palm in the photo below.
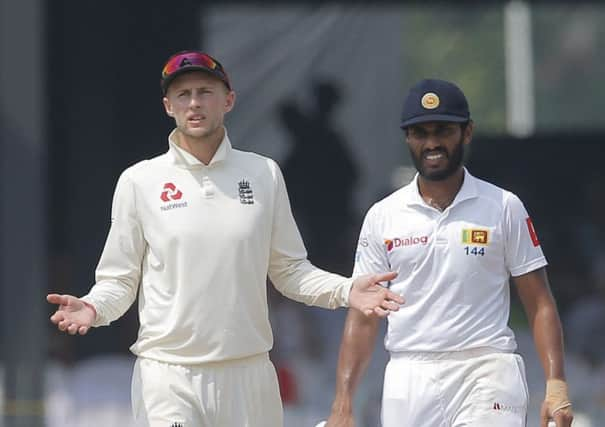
(368, 296)
(73, 315)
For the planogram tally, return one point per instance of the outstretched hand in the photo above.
(73, 315)
(372, 299)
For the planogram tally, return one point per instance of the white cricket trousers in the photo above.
(236, 393)
(475, 388)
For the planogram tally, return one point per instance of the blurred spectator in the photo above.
(585, 321)
(321, 175)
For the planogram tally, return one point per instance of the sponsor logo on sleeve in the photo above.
(532, 232)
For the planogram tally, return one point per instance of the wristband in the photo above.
(557, 397)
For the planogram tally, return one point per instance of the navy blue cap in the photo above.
(432, 100)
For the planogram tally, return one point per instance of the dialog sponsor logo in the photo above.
(398, 242)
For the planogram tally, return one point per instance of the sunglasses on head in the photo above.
(194, 59)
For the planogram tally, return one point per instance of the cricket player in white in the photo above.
(454, 241)
(194, 234)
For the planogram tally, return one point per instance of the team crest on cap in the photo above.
(430, 101)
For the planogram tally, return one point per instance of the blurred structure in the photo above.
(23, 215)
(586, 317)
(81, 101)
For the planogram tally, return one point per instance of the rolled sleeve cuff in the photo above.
(341, 296)
(100, 320)
(528, 267)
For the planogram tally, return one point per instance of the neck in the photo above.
(440, 194)
(202, 148)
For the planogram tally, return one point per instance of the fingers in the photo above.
(372, 299)
(382, 303)
(389, 300)
(563, 417)
(384, 277)
(56, 318)
(380, 312)
(376, 312)
(72, 329)
(57, 299)
(389, 305)
(66, 325)
(395, 297)
(63, 325)
(559, 417)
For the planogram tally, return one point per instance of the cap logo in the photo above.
(430, 101)
(186, 60)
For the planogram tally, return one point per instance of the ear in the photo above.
(168, 107)
(229, 101)
(406, 136)
(468, 132)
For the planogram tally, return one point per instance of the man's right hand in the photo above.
(73, 315)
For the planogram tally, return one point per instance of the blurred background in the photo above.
(320, 87)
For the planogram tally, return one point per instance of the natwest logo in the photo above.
(170, 192)
(405, 241)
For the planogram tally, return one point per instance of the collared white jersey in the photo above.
(196, 242)
(453, 266)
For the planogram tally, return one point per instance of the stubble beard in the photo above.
(454, 161)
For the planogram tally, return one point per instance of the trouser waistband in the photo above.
(445, 355)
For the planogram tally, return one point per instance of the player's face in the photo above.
(198, 103)
(437, 148)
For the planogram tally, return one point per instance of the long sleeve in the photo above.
(119, 270)
(289, 270)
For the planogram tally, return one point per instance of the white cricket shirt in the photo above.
(453, 266)
(196, 242)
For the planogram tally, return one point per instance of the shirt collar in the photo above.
(184, 158)
(467, 191)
